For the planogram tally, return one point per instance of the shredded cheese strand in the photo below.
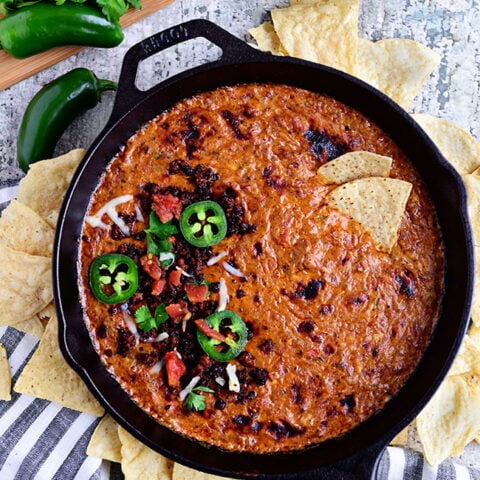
(95, 220)
(223, 294)
(192, 384)
(233, 382)
(232, 270)
(213, 260)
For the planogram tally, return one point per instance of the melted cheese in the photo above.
(95, 220)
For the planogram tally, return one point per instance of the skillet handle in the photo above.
(128, 95)
(360, 466)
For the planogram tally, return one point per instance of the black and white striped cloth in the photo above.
(40, 440)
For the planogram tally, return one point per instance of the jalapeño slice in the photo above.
(113, 278)
(203, 223)
(233, 345)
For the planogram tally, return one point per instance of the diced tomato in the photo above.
(174, 277)
(175, 368)
(176, 311)
(158, 286)
(196, 293)
(166, 206)
(151, 265)
(205, 328)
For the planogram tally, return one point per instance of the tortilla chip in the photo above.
(353, 165)
(105, 442)
(325, 33)
(396, 66)
(267, 39)
(455, 143)
(33, 326)
(307, 2)
(401, 439)
(48, 376)
(26, 285)
(475, 311)
(377, 203)
(5, 376)
(451, 419)
(472, 184)
(24, 230)
(141, 462)
(474, 334)
(180, 472)
(47, 313)
(44, 186)
(467, 360)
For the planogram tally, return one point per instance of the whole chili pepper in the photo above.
(52, 109)
(39, 27)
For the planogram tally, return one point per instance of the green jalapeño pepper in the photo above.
(52, 109)
(210, 338)
(113, 278)
(203, 223)
(39, 27)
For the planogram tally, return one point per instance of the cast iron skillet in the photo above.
(356, 454)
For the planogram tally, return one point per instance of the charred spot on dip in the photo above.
(335, 268)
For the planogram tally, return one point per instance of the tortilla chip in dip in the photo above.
(105, 442)
(5, 376)
(353, 165)
(44, 186)
(451, 418)
(23, 229)
(377, 203)
(396, 66)
(313, 32)
(26, 285)
(455, 143)
(48, 376)
(267, 38)
(141, 462)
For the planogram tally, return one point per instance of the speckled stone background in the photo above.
(450, 27)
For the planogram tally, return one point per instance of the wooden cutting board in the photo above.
(13, 70)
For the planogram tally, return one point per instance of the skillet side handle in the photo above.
(128, 95)
(360, 466)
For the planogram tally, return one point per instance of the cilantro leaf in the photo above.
(196, 401)
(157, 234)
(112, 9)
(161, 315)
(144, 318)
(159, 229)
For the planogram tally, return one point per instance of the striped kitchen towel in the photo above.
(40, 440)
